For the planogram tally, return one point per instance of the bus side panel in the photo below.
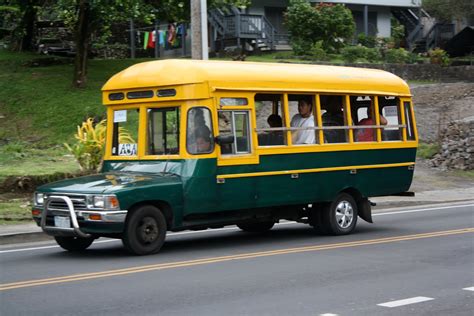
(323, 185)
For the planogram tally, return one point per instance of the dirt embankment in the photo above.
(438, 104)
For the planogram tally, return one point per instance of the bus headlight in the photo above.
(39, 198)
(106, 202)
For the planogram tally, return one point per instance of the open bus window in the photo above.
(235, 124)
(270, 119)
(199, 138)
(302, 109)
(409, 121)
(334, 119)
(390, 109)
(363, 110)
(163, 131)
(125, 132)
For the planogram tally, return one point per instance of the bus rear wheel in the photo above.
(74, 244)
(258, 227)
(339, 217)
(145, 231)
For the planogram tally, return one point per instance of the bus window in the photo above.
(409, 121)
(125, 132)
(363, 111)
(389, 107)
(333, 118)
(301, 108)
(163, 131)
(235, 123)
(270, 115)
(199, 138)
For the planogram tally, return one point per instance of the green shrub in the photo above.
(89, 147)
(397, 56)
(439, 56)
(317, 51)
(360, 53)
(90, 144)
(367, 40)
(427, 151)
(329, 23)
(397, 32)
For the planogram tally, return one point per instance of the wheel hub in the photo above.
(344, 214)
(148, 230)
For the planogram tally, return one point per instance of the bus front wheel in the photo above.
(145, 230)
(339, 217)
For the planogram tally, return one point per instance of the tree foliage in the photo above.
(449, 10)
(328, 23)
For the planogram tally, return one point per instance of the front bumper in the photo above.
(83, 223)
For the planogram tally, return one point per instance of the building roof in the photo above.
(233, 75)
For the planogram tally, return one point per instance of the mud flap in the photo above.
(365, 211)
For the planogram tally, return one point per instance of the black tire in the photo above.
(340, 216)
(258, 227)
(74, 244)
(145, 230)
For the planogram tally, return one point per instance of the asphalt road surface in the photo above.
(412, 261)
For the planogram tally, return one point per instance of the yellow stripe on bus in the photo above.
(313, 170)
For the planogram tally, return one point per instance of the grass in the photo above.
(19, 159)
(15, 209)
(427, 151)
(39, 104)
(469, 174)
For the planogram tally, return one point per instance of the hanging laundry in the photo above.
(171, 33)
(162, 36)
(151, 40)
(145, 40)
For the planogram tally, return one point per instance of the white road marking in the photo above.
(328, 314)
(406, 301)
(469, 288)
(235, 228)
(422, 210)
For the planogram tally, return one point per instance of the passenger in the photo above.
(304, 118)
(203, 140)
(368, 134)
(334, 116)
(275, 137)
(274, 120)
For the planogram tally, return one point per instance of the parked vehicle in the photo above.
(188, 147)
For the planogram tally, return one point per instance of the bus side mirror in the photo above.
(224, 139)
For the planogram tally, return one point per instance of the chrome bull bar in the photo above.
(74, 230)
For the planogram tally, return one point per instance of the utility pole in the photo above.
(199, 49)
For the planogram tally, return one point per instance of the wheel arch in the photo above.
(163, 206)
(363, 204)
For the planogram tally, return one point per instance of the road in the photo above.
(412, 261)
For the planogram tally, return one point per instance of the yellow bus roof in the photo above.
(235, 75)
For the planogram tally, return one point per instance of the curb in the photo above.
(20, 238)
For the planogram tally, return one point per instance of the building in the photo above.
(262, 23)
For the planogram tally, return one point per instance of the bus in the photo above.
(196, 144)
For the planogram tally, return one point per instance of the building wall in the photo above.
(390, 3)
(258, 6)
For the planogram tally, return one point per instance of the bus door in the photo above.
(237, 158)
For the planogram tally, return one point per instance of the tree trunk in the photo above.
(83, 35)
(28, 25)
